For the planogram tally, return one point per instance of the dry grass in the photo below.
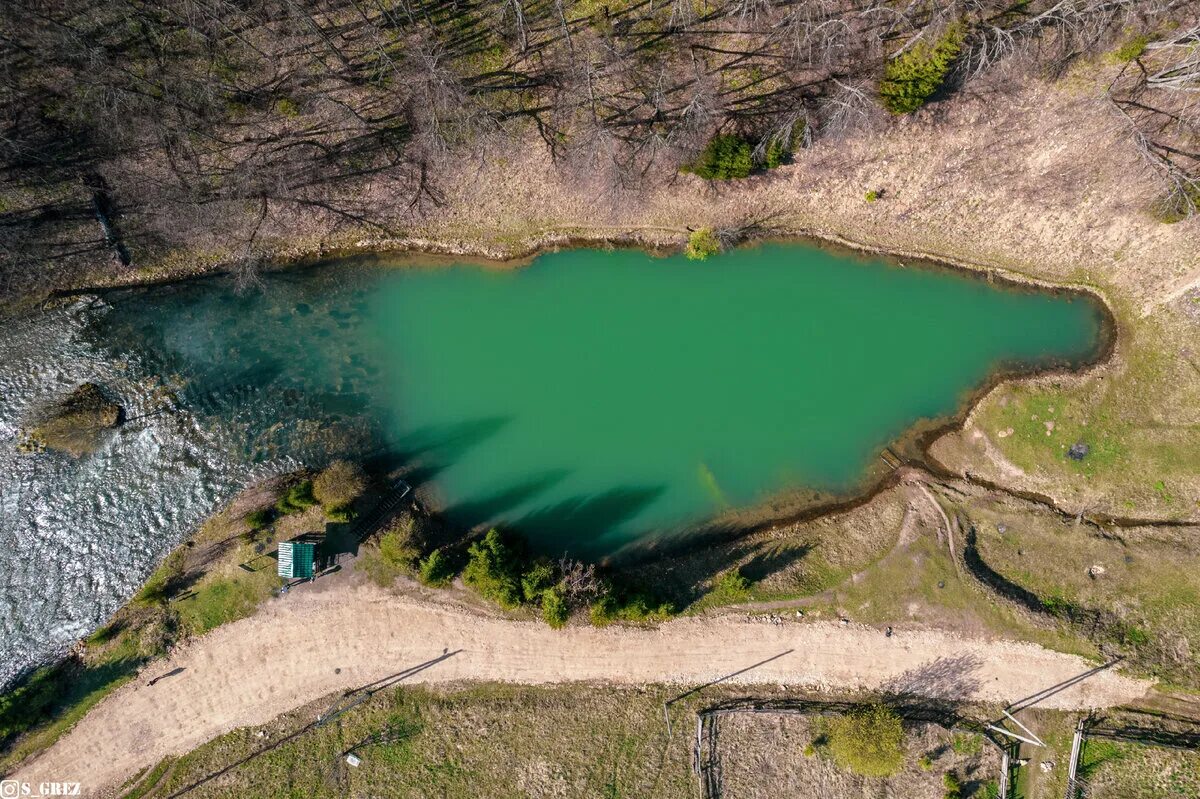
(764, 756)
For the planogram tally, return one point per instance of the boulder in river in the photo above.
(75, 424)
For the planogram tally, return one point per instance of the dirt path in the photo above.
(248, 672)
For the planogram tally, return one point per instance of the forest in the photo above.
(129, 130)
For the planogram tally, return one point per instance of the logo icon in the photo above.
(9, 789)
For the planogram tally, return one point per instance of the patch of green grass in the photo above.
(150, 780)
(222, 600)
(1131, 49)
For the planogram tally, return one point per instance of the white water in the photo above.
(79, 536)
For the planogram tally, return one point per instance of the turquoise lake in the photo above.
(596, 397)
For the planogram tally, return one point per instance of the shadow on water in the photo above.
(586, 520)
(499, 504)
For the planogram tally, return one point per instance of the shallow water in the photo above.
(591, 399)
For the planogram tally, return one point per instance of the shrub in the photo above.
(702, 243)
(871, 196)
(541, 577)
(632, 606)
(726, 156)
(869, 742)
(912, 77)
(339, 484)
(1131, 49)
(435, 570)
(258, 519)
(493, 570)
(397, 549)
(297, 498)
(731, 586)
(555, 610)
(953, 786)
(779, 150)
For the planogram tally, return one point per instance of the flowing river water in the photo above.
(592, 399)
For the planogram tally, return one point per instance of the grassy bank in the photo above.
(574, 740)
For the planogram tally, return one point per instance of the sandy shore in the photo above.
(314, 642)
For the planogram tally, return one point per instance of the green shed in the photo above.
(296, 559)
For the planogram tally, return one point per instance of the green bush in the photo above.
(725, 157)
(493, 569)
(630, 606)
(952, 785)
(869, 741)
(912, 77)
(258, 519)
(340, 514)
(435, 570)
(297, 498)
(397, 548)
(540, 577)
(779, 151)
(339, 484)
(731, 586)
(871, 196)
(555, 610)
(702, 243)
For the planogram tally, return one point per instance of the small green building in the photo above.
(296, 559)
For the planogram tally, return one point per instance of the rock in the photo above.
(1046, 765)
(1095, 571)
(1001, 528)
(1078, 451)
(75, 424)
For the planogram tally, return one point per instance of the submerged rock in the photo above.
(75, 424)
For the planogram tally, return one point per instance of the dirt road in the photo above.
(248, 672)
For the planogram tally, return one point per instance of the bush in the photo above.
(493, 570)
(340, 514)
(779, 150)
(297, 498)
(953, 786)
(869, 742)
(397, 549)
(555, 610)
(725, 157)
(258, 519)
(339, 484)
(435, 571)
(541, 577)
(633, 606)
(871, 196)
(731, 586)
(912, 77)
(702, 243)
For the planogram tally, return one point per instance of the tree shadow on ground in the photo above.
(946, 679)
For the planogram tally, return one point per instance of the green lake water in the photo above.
(595, 397)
